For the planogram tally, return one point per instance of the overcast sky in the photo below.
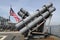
(30, 6)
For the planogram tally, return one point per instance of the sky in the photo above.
(30, 6)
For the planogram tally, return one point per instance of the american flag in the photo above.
(12, 13)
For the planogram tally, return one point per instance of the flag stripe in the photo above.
(12, 13)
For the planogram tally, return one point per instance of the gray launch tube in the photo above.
(26, 20)
(37, 20)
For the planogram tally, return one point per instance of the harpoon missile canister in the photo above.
(37, 20)
(29, 18)
(23, 13)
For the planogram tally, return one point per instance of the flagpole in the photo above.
(9, 17)
(9, 12)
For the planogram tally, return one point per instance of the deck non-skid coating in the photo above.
(2, 37)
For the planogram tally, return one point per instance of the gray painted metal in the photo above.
(23, 13)
(29, 18)
(20, 14)
(37, 20)
(49, 5)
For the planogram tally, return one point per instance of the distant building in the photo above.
(3, 21)
(6, 23)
